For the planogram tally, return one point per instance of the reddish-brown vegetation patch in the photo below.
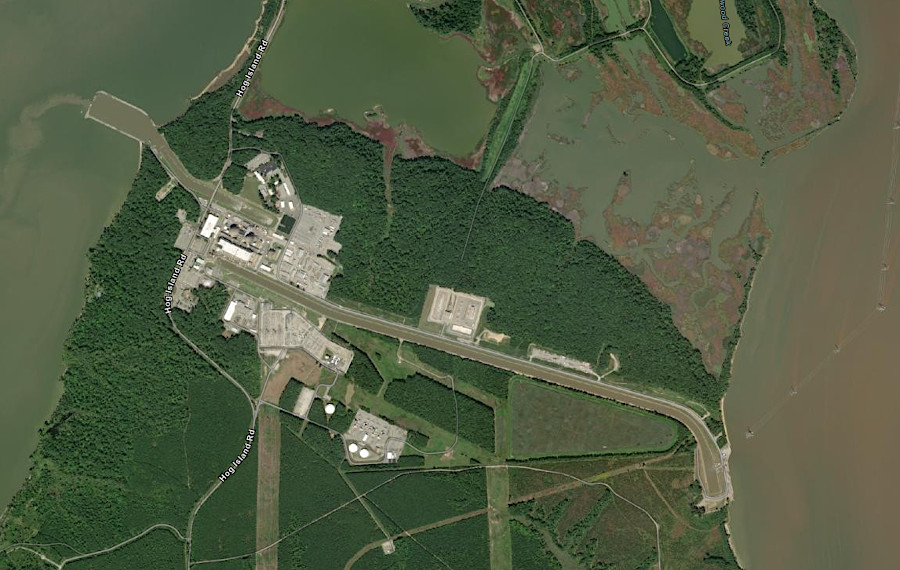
(624, 88)
(727, 101)
(495, 80)
(673, 256)
(682, 106)
(502, 32)
(799, 97)
(257, 104)
(558, 21)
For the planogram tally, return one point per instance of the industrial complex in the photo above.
(458, 314)
(371, 439)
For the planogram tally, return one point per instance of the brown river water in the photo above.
(816, 484)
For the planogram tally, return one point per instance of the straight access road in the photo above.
(711, 462)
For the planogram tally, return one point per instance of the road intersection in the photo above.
(711, 461)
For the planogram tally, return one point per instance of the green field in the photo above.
(547, 421)
(381, 350)
(377, 54)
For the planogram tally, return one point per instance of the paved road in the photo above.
(710, 462)
(709, 459)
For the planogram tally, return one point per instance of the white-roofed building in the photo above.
(229, 312)
(209, 226)
(235, 251)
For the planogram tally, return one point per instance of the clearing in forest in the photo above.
(547, 421)
(267, 481)
(498, 518)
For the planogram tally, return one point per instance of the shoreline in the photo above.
(238, 61)
(722, 409)
(730, 534)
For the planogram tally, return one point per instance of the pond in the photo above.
(354, 55)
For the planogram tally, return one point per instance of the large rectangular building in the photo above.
(236, 251)
(209, 226)
(460, 313)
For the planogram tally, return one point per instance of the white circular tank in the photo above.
(364, 453)
(329, 409)
(353, 448)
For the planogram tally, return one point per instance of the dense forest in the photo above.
(200, 136)
(233, 179)
(363, 373)
(137, 436)
(433, 402)
(462, 16)
(492, 380)
(831, 41)
(746, 10)
(204, 327)
(548, 287)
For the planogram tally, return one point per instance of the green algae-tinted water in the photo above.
(351, 55)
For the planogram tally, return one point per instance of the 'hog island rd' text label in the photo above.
(726, 26)
(257, 57)
(170, 285)
(240, 458)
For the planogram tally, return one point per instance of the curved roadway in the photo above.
(710, 461)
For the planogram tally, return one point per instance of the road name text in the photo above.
(248, 445)
(257, 57)
(170, 285)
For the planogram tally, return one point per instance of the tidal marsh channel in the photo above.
(815, 485)
(62, 177)
(815, 375)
